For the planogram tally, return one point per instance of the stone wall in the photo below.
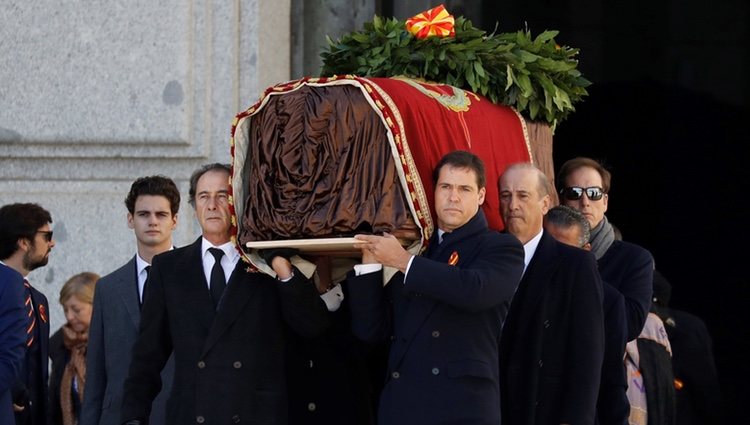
(95, 94)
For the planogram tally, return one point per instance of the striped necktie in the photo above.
(31, 317)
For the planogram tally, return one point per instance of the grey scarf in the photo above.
(602, 237)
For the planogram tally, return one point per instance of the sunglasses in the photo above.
(575, 193)
(47, 235)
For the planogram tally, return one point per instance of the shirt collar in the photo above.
(24, 277)
(140, 264)
(227, 247)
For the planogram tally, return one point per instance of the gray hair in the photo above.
(566, 217)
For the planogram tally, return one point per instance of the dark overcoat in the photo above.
(229, 362)
(444, 321)
(552, 343)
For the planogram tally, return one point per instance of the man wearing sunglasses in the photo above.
(25, 244)
(626, 266)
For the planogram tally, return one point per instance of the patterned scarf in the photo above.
(75, 369)
(602, 237)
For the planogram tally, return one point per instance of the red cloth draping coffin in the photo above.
(423, 121)
(434, 119)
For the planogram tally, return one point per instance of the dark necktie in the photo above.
(218, 282)
(142, 297)
(31, 322)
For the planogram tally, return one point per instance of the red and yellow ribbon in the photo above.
(453, 260)
(434, 22)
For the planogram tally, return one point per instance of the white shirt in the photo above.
(228, 260)
(529, 248)
(141, 274)
(333, 298)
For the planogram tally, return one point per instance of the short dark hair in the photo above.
(461, 159)
(20, 221)
(197, 174)
(566, 217)
(155, 186)
(579, 162)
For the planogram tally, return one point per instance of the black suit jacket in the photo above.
(613, 407)
(60, 355)
(552, 343)
(444, 324)
(334, 379)
(12, 337)
(229, 364)
(699, 398)
(32, 388)
(630, 269)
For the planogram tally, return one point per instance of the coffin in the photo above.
(317, 160)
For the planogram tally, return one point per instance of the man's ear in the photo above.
(546, 202)
(482, 193)
(24, 244)
(131, 225)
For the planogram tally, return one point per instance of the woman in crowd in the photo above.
(68, 349)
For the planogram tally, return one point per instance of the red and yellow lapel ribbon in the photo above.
(434, 22)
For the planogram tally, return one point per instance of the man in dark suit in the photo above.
(698, 395)
(12, 336)
(569, 226)
(26, 239)
(443, 310)
(552, 342)
(224, 324)
(626, 266)
(152, 204)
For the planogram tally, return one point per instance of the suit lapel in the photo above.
(237, 293)
(126, 284)
(416, 309)
(539, 272)
(193, 281)
(41, 309)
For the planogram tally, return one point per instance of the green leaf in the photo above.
(527, 56)
(540, 79)
(533, 109)
(478, 69)
(509, 79)
(547, 35)
(524, 83)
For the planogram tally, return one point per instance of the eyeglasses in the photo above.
(575, 193)
(47, 235)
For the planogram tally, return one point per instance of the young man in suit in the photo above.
(152, 204)
(223, 322)
(443, 310)
(552, 343)
(12, 337)
(25, 244)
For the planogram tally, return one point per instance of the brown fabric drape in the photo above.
(319, 165)
(76, 368)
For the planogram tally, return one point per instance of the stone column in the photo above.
(313, 20)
